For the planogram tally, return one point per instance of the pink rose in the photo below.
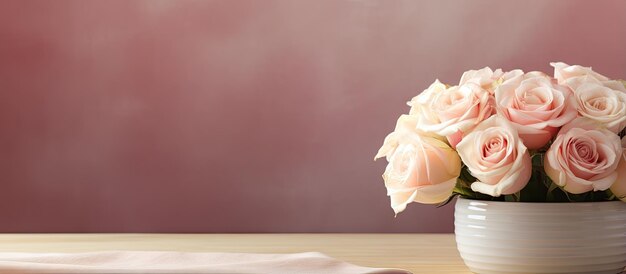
(597, 97)
(423, 99)
(619, 187)
(486, 78)
(583, 157)
(421, 168)
(602, 104)
(453, 111)
(496, 156)
(536, 106)
(573, 76)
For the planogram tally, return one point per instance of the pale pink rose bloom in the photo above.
(602, 104)
(486, 78)
(454, 111)
(536, 106)
(518, 72)
(421, 168)
(425, 97)
(597, 97)
(420, 103)
(619, 187)
(496, 156)
(574, 76)
(583, 157)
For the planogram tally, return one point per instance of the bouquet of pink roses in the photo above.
(511, 136)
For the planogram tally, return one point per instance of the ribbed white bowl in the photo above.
(509, 237)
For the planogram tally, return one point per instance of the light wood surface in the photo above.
(419, 253)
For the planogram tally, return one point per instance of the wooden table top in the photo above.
(419, 253)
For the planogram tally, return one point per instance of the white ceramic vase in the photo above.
(510, 237)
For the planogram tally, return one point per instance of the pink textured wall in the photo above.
(234, 116)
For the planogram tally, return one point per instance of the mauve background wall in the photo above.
(246, 116)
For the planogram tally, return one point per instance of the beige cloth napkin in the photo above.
(180, 262)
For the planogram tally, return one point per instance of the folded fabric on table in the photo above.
(180, 262)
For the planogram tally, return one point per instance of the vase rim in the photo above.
(547, 203)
